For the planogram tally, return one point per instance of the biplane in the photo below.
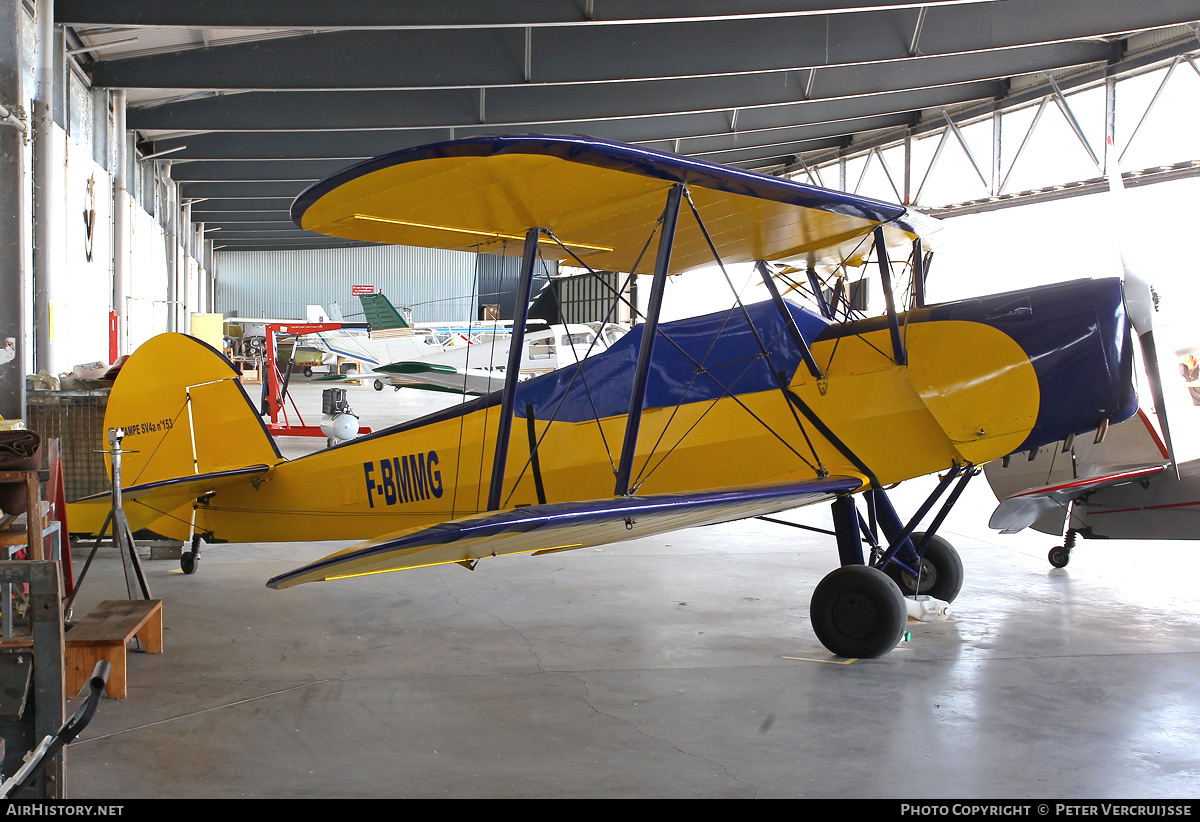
(740, 413)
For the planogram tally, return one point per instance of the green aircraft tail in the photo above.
(380, 313)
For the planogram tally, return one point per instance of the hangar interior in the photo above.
(162, 164)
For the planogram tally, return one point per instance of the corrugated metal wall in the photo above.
(584, 298)
(437, 285)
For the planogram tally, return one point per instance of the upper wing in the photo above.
(601, 198)
(561, 526)
(1021, 510)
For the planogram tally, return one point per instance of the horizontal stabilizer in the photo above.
(148, 501)
(560, 526)
(1019, 511)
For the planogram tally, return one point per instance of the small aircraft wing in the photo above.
(562, 526)
(1019, 511)
(1027, 484)
(439, 377)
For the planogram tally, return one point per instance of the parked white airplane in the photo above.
(376, 347)
(466, 357)
(480, 368)
(1126, 482)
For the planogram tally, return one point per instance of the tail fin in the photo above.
(184, 412)
(380, 312)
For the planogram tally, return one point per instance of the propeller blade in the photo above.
(1140, 302)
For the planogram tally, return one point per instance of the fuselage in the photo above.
(983, 378)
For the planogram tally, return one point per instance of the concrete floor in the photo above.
(673, 666)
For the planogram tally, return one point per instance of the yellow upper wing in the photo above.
(600, 199)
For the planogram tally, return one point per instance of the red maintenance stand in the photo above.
(275, 383)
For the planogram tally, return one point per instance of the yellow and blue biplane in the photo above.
(741, 413)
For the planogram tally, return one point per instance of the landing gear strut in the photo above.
(859, 610)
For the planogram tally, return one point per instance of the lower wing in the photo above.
(562, 526)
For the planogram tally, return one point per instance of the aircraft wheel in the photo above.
(189, 561)
(858, 611)
(378, 385)
(941, 571)
(1059, 556)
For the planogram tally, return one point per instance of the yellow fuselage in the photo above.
(969, 396)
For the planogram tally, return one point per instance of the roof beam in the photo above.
(530, 105)
(351, 146)
(303, 172)
(242, 189)
(435, 58)
(478, 13)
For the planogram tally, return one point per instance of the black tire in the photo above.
(378, 385)
(941, 570)
(858, 612)
(1059, 556)
(189, 562)
(307, 371)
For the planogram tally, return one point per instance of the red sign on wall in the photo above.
(355, 290)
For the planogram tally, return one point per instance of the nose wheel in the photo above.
(1060, 555)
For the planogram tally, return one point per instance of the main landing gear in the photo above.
(859, 610)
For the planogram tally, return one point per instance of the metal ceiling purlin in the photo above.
(779, 85)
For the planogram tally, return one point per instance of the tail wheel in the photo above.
(858, 611)
(941, 570)
(189, 561)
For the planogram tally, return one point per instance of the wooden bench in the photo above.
(103, 634)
